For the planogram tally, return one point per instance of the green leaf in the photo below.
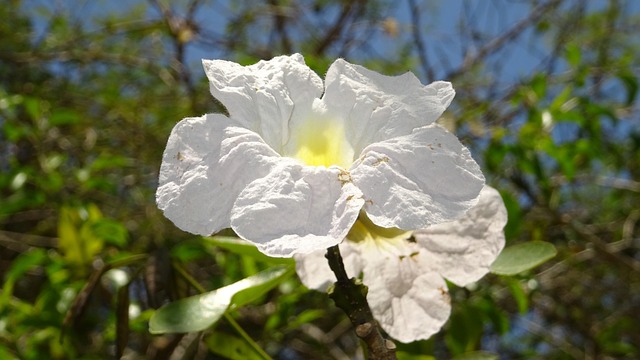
(409, 356)
(5, 354)
(518, 258)
(23, 263)
(245, 248)
(199, 312)
(64, 117)
(110, 231)
(477, 355)
(304, 317)
(78, 243)
(573, 54)
(231, 347)
(465, 329)
(630, 83)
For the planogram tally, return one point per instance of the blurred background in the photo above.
(547, 101)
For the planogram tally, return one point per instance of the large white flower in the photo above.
(405, 271)
(296, 161)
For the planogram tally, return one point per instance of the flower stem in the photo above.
(350, 296)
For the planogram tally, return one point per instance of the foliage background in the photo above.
(89, 91)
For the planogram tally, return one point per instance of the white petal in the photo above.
(296, 209)
(206, 163)
(376, 107)
(409, 302)
(413, 181)
(315, 273)
(263, 97)
(463, 250)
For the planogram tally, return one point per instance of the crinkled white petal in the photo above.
(315, 273)
(207, 162)
(376, 107)
(264, 97)
(296, 209)
(410, 302)
(413, 181)
(463, 250)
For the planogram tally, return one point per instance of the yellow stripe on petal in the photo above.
(365, 230)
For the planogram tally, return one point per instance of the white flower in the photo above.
(296, 161)
(404, 271)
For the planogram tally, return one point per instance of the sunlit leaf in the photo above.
(518, 258)
(78, 242)
(199, 312)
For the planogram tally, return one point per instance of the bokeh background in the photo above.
(547, 101)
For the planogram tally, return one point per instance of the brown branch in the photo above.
(280, 23)
(419, 42)
(350, 296)
(182, 31)
(536, 14)
(604, 248)
(334, 32)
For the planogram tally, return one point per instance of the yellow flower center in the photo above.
(322, 142)
(365, 230)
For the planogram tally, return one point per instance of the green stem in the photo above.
(351, 296)
(193, 282)
(246, 337)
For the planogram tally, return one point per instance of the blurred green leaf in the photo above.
(19, 267)
(110, 231)
(230, 347)
(5, 354)
(33, 106)
(78, 242)
(630, 83)
(518, 258)
(305, 317)
(63, 117)
(477, 355)
(518, 293)
(514, 210)
(403, 355)
(465, 329)
(199, 312)
(245, 248)
(573, 54)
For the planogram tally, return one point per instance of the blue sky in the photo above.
(441, 22)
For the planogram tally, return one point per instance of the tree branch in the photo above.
(537, 13)
(350, 296)
(419, 42)
(335, 31)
